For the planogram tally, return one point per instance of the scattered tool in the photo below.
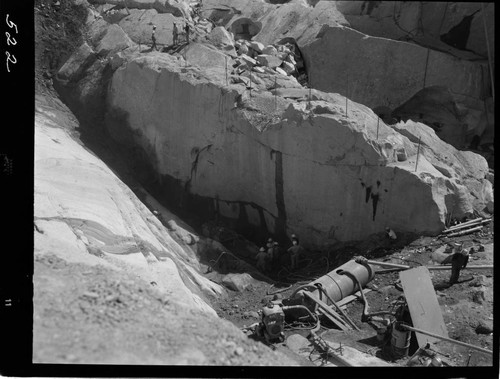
(420, 331)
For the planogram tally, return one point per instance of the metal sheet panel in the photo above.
(423, 304)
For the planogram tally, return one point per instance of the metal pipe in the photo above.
(303, 287)
(466, 225)
(338, 286)
(446, 339)
(444, 267)
(463, 224)
(384, 264)
(338, 308)
(476, 229)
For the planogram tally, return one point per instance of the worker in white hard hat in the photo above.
(295, 251)
(262, 259)
(390, 233)
(153, 38)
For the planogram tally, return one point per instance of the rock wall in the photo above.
(85, 214)
(416, 19)
(318, 173)
(400, 49)
(384, 72)
(287, 160)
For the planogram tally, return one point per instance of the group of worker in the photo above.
(175, 35)
(272, 256)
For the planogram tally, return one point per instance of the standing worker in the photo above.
(186, 29)
(153, 38)
(295, 252)
(276, 254)
(261, 260)
(390, 233)
(458, 262)
(175, 34)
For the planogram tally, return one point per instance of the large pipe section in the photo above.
(338, 286)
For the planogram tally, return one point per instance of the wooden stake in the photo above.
(418, 153)
(378, 122)
(346, 92)
(309, 97)
(275, 94)
(489, 53)
(225, 58)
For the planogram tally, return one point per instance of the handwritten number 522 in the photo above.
(10, 41)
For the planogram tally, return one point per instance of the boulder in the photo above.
(317, 174)
(258, 69)
(243, 49)
(114, 39)
(221, 37)
(210, 59)
(279, 70)
(116, 60)
(441, 254)
(249, 61)
(237, 282)
(479, 295)
(270, 50)
(474, 190)
(77, 63)
(374, 79)
(484, 327)
(290, 59)
(268, 60)
(288, 67)
(257, 46)
(251, 314)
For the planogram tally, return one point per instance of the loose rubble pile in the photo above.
(282, 59)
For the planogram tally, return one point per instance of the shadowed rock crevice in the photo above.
(459, 34)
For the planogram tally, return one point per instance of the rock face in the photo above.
(383, 72)
(83, 208)
(138, 26)
(296, 164)
(178, 8)
(419, 45)
(112, 285)
(79, 61)
(221, 37)
(323, 176)
(413, 19)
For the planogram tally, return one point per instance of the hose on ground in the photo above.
(278, 291)
(315, 317)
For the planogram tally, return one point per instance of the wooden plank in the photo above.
(348, 299)
(328, 312)
(332, 319)
(423, 304)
